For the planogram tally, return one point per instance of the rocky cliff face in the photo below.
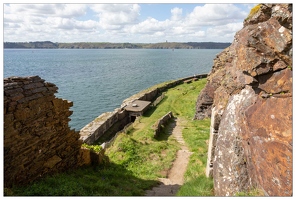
(249, 98)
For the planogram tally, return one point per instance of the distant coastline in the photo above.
(107, 45)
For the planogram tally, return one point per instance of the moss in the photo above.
(95, 148)
(254, 192)
(253, 11)
(289, 67)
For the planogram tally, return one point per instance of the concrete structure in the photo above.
(137, 108)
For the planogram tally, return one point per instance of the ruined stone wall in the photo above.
(249, 98)
(37, 138)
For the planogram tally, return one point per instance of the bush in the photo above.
(95, 148)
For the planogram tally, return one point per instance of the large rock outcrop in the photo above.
(249, 98)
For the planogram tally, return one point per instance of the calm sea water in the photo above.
(98, 80)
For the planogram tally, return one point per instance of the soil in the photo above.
(169, 186)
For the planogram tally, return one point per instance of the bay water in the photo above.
(98, 80)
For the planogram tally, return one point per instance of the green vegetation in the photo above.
(137, 159)
(290, 67)
(196, 135)
(111, 180)
(254, 192)
(109, 45)
(95, 148)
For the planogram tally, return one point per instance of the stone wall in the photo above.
(249, 98)
(37, 138)
(158, 126)
(95, 129)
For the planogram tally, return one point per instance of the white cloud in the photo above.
(176, 14)
(120, 23)
(226, 31)
(215, 14)
(45, 10)
(70, 24)
(151, 25)
(116, 16)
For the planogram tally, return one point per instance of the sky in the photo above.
(123, 22)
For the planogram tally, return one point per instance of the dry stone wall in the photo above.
(37, 138)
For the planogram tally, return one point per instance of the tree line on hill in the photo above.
(107, 45)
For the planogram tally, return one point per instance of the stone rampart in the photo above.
(37, 138)
(119, 118)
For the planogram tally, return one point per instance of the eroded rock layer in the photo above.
(249, 98)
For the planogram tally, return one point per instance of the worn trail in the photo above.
(169, 186)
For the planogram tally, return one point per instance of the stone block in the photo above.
(51, 162)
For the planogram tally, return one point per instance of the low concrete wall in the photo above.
(88, 157)
(95, 129)
(106, 145)
(158, 100)
(119, 118)
(162, 121)
(215, 120)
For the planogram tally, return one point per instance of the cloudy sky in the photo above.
(138, 22)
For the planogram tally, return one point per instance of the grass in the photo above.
(196, 183)
(111, 180)
(136, 158)
(254, 192)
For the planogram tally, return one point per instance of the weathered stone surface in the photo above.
(229, 166)
(277, 82)
(251, 86)
(37, 138)
(51, 162)
(89, 157)
(269, 144)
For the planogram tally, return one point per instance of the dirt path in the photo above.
(169, 186)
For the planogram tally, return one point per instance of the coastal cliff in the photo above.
(249, 99)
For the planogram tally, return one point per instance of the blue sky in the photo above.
(134, 22)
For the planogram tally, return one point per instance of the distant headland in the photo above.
(107, 45)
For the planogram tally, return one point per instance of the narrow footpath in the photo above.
(169, 186)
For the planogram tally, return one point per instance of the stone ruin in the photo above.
(37, 138)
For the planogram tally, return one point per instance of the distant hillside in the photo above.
(31, 45)
(107, 45)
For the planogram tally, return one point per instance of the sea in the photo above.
(98, 80)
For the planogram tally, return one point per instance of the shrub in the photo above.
(95, 148)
